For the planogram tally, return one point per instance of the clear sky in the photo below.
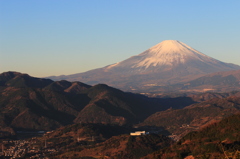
(62, 37)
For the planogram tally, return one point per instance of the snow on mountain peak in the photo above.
(167, 53)
(167, 46)
(172, 47)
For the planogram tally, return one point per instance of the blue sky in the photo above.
(56, 37)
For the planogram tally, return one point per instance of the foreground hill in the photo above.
(122, 146)
(168, 62)
(85, 131)
(88, 140)
(195, 116)
(219, 140)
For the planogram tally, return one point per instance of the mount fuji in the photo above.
(168, 62)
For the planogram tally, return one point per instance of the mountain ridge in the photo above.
(27, 107)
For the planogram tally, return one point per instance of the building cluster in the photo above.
(17, 148)
(22, 148)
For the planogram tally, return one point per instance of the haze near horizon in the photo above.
(44, 38)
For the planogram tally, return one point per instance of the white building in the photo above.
(138, 133)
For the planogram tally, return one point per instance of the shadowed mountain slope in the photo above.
(55, 104)
(181, 121)
(15, 79)
(122, 146)
(219, 140)
(29, 103)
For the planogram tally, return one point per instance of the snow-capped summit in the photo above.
(168, 62)
(170, 46)
(168, 53)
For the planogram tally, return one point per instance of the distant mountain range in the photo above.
(169, 62)
(214, 82)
